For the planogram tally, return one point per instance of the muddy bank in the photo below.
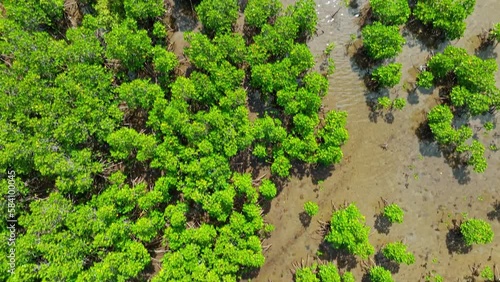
(410, 172)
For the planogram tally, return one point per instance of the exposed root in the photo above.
(475, 269)
(324, 228)
(258, 180)
(266, 247)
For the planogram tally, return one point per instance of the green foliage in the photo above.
(304, 14)
(333, 135)
(487, 274)
(233, 46)
(321, 273)
(476, 231)
(394, 12)
(32, 15)
(474, 90)
(331, 66)
(328, 272)
(446, 15)
(380, 274)
(477, 159)
(397, 252)
(489, 126)
(218, 15)
(311, 208)
(394, 213)
(399, 103)
(301, 58)
(382, 42)
(389, 75)
(143, 9)
(94, 113)
(268, 189)
(159, 31)
(440, 119)
(128, 45)
(425, 79)
(126, 141)
(348, 231)
(329, 48)
(139, 94)
(384, 102)
(348, 277)
(495, 32)
(258, 12)
(306, 274)
(277, 39)
(202, 52)
(164, 61)
(281, 166)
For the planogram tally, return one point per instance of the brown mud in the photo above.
(387, 160)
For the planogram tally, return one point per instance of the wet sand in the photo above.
(410, 172)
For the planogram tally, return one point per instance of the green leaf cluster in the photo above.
(119, 153)
(397, 252)
(218, 16)
(388, 76)
(474, 90)
(425, 79)
(380, 274)
(311, 208)
(394, 12)
(258, 12)
(319, 273)
(349, 232)
(381, 41)
(394, 213)
(446, 15)
(476, 231)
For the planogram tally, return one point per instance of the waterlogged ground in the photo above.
(410, 172)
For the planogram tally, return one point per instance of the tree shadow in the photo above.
(427, 35)
(386, 263)
(250, 273)
(343, 259)
(495, 213)
(462, 174)
(305, 219)
(382, 224)
(413, 97)
(362, 60)
(429, 149)
(321, 173)
(455, 241)
(366, 277)
(487, 46)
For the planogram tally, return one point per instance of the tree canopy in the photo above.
(118, 152)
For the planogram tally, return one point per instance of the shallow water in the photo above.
(410, 172)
